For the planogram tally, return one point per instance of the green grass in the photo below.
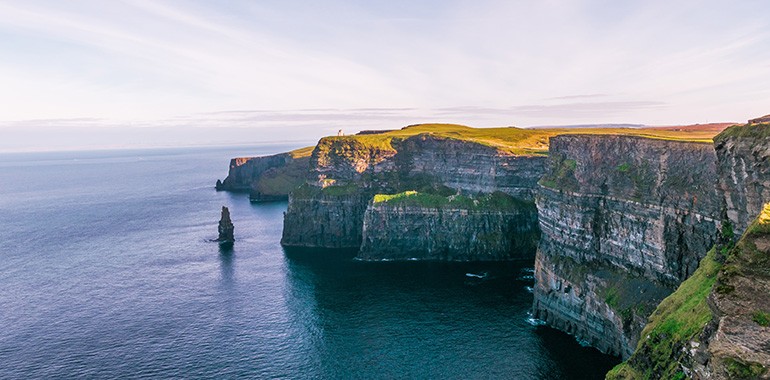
(561, 175)
(624, 167)
(612, 298)
(281, 181)
(738, 369)
(508, 139)
(675, 322)
(762, 318)
(752, 131)
(495, 201)
(302, 152)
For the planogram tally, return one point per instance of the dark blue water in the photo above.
(106, 272)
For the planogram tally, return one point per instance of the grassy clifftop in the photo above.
(515, 140)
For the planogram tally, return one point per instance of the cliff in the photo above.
(717, 323)
(330, 217)
(470, 167)
(744, 171)
(347, 172)
(267, 177)
(624, 219)
(415, 226)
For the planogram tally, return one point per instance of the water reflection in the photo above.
(427, 320)
(226, 266)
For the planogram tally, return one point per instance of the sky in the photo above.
(92, 73)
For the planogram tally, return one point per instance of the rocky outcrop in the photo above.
(744, 171)
(267, 178)
(624, 220)
(449, 229)
(226, 228)
(346, 159)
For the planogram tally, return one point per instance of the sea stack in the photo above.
(226, 228)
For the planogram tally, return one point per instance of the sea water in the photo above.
(106, 271)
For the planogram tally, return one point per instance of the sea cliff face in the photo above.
(324, 217)
(450, 231)
(356, 172)
(469, 167)
(624, 220)
(717, 323)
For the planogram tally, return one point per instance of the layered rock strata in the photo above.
(717, 323)
(744, 171)
(624, 220)
(346, 174)
(324, 217)
(469, 167)
(450, 232)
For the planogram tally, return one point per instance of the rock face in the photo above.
(624, 220)
(721, 314)
(266, 178)
(717, 323)
(324, 218)
(744, 171)
(468, 167)
(737, 341)
(226, 228)
(346, 174)
(450, 233)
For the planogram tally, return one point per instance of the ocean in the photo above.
(107, 271)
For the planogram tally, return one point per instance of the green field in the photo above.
(521, 141)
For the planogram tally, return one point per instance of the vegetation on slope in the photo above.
(682, 317)
(754, 131)
(497, 201)
(302, 152)
(676, 321)
(284, 179)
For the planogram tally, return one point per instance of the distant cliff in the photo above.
(624, 219)
(268, 177)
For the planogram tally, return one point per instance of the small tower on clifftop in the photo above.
(226, 229)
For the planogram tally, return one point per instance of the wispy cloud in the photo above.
(384, 64)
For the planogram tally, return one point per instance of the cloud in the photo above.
(383, 64)
(580, 110)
